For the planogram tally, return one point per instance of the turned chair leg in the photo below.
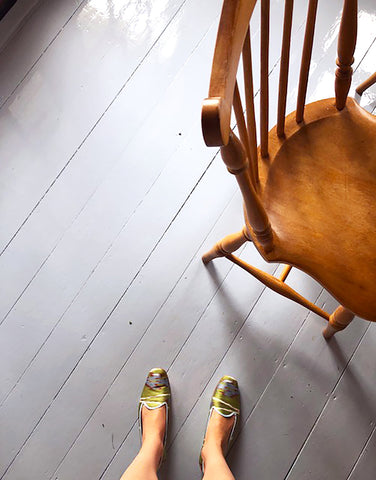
(227, 245)
(338, 320)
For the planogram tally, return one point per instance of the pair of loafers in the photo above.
(157, 393)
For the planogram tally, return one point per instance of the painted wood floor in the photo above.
(108, 198)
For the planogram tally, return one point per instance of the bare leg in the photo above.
(227, 245)
(338, 320)
(146, 463)
(215, 445)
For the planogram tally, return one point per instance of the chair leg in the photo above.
(227, 245)
(338, 320)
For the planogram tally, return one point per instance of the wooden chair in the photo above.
(309, 189)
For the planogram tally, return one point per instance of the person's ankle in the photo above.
(212, 448)
(154, 443)
(152, 451)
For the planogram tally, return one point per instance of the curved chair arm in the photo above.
(216, 110)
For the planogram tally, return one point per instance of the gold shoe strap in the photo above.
(230, 409)
(150, 398)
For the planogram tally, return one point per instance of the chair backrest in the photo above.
(233, 42)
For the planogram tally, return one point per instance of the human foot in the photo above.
(224, 413)
(153, 411)
(217, 433)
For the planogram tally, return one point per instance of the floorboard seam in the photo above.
(361, 453)
(282, 361)
(324, 406)
(117, 451)
(45, 260)
(62, 316)
(205, 309)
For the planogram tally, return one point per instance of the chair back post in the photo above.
(346, 48)
(250, 106)
(236, 161)
(284, 68)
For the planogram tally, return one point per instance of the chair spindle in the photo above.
(346, 48)
(306, 59)
(278, 286)
(284, 71)
(264, 80)
(240, 120)
(285, 272)
(250, 106)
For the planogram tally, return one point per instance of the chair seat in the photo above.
(318, 186)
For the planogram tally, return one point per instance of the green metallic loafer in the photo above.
(155, 394)
(226, 402)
